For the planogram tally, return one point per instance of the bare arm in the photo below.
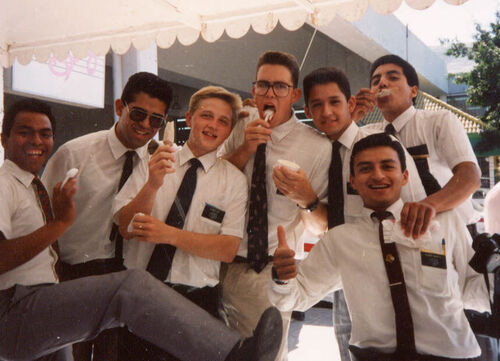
(17, 251)
(416, 216)
(212, 246)
(296, 186)
(159, 165)
(257, 132)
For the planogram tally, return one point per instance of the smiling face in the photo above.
(329, 109)
(400, 96)
(30, 141)
(136, 134)
(281, 106)
(211, 124)
(378, 177)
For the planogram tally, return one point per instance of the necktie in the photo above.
(115, 235)
(335, 188)
(161, 260)
(44, 199)
(389, 129)
(257, 228)
(404, 323)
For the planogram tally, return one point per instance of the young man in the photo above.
(436, 139)
(92, 245)
(212, 223)
(255, 146)
(48, 316)
(418, 314)
(329, 103)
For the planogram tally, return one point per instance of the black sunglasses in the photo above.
(139, 114)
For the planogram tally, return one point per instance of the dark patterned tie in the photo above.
(257, 228)
(44, 200)
(161, 260)
(115, 235)
(404, 322)
(335, 188)
(389, 129)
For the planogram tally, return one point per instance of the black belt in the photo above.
(95, 267)
(240, 259)
(205, 297)
(370, 354)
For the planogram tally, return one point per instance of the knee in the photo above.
(137, 279)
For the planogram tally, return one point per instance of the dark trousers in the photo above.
(133, 348)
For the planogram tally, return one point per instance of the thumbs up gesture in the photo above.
(284, 258)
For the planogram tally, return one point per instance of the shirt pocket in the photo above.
(433, 274)
(212, 216)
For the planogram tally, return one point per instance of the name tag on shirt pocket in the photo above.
(213, 213)
(433, 277)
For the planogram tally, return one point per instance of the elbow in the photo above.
(232, 251)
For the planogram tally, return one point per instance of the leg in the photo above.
(244, 298)
(342, 324)
(78, 310)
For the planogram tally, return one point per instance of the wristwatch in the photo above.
(310, 207)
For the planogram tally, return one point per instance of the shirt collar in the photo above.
(118, 149)
(282, 130)
(206, 160)
(402, 119)
(25, 177)
(349, 135)
(394, 209)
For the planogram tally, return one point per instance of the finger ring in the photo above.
(140, 226)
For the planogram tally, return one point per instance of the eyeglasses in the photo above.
(280, 89)
(138, 115)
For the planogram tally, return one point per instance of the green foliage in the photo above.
(490, 140)
(484, 80)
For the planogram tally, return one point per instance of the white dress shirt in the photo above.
(22, 214)
(492, 210)
(219, 184)
(350, 255)
(446, 141)
(413, 191)
(292, 141)
(99, 158)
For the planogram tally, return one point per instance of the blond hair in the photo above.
(234, 100)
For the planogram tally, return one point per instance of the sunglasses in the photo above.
(139, 114)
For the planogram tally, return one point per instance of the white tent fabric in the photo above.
(39, 28)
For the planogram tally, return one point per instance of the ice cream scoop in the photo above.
(290, 165)
(268, 114)
(383, 93)
(69, 174)
(130, 227)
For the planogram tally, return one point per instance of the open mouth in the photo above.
(378, 186)
(383, 93)
(209, 134)
(269, 107)
(140, 132)
(34, 153)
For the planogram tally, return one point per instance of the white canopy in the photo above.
(42, 27)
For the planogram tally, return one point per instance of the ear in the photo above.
(351, 104)
(296, 93)
(119, 107)
(306, 110)
(188, 119)
(253, 92)
(405, 177)
(413, 91)
(351, 180)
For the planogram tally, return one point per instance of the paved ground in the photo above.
(313, 339)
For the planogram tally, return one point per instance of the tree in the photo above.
(483, 80)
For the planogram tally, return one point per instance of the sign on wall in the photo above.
(73, 80)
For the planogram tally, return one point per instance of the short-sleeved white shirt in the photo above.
(446, 141)
(296, 142)
(220, 185)
(349, 257)
(492, 210)
(21, 214)
(99, 158)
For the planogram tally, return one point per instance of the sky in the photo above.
(444, 21)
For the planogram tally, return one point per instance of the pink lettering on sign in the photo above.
(71, 64)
